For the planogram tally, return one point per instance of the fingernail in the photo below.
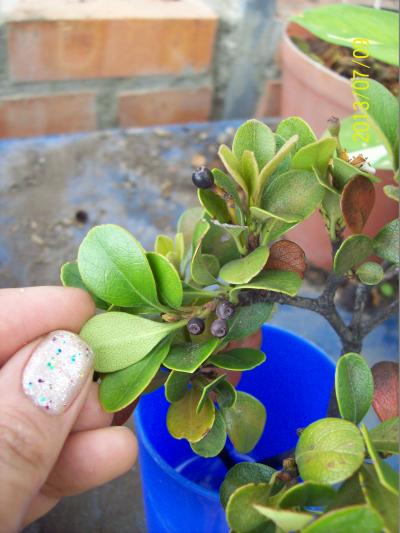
(57, 370)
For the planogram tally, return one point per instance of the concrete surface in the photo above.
(139, 179)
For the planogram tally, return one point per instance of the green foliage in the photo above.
(370, 273)
(245, 422)
(238, 359)
(119, 389)
(354, 387)
(120, 340)
(335, 24)
(222, 250)
(329, 451)
(183, 420)
(352, 252)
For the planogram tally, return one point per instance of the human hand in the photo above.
(54, 436)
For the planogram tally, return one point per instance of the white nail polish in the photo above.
(57, 370)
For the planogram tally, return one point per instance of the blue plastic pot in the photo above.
(181, 489)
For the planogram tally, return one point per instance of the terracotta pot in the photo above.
(314, 92)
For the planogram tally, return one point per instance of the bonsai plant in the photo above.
(181, 315)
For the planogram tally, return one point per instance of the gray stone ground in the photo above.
(139, 179)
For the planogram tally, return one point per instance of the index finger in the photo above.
(28, 313)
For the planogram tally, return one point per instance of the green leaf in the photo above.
(292, 196)
(349, 491)
(296, 126)
(168, 282)
(385, 437)
(176, 385)
(206, 389)
(211, 263)
(332, 213)
(329, 450)
(335, 24)
(242, 474)
(225, 183)
(250, 170)
(354, 387)
(238, 359)
(113, 265)
(163, 245)
(198, 268)
(274, 228)
(352, 519)
(188, 357)
(379, 498)
(245, 422)
(316, 156)
(121, 388)
(120, 339)
(220, 243)
(184, 423)
(343, 172)
(226, 394)
(240, 512)
(248, 319)
(187, 223)
(370, 273)
(384, 114)
(386, 242)
(273, 280)
(212, 444)
(353, 251)
(70, 277)
(243, 270)
(282, 154)
(387, 476)
(232, 165)
(256, 137)
(180, 246)
(307, 494)
(214, 205)
(392, 192)
(287, 521)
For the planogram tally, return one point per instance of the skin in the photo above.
(46, 457)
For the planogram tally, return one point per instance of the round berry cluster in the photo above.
(219, 327)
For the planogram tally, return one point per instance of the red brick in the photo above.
(80, 49)
(164, 107)
(47, 114)
(269, 104)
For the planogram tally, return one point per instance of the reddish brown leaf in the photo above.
(358, 198)
(386, 393)
(120, 417)
(287, 255)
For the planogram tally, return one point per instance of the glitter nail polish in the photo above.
(57, 370)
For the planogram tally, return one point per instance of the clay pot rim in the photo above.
(287, 41)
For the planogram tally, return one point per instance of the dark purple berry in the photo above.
(219, 328)
(225, 310)
(203, 178)
(196, 326)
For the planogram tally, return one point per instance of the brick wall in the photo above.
(73, 65)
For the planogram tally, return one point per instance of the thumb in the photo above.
(44, 387)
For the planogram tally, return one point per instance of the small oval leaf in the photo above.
(329, 451)
(240, 511)
(176, 385)
(352, 518)
(212, 444)
(353, 251)
(287, 521)
(238, 359)
(357, 201)
(370, 273)
(287, 255)
(307, 494)
(354, 387)
(245, 422)
(184, 423)
(168, 282)
(188, 357)
(386, 242)
(386, 436)
(243, 270)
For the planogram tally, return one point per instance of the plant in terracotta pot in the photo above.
(187, 314)
(332, 57)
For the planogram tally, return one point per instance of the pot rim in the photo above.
(179, 478)
(287, 41)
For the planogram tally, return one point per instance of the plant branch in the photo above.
(379, 317)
